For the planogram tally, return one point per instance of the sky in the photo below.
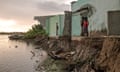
(17, 15)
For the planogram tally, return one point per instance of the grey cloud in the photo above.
(51, 6)
(24, 10)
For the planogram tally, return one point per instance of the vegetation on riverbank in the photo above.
(36, 30)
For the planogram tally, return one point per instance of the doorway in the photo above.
(114, 22)
(84, 26)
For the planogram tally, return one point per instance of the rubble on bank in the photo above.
(90, 54)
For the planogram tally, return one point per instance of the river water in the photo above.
(19, 56)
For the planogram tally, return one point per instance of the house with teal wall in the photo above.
(98, 17)
(53, 24)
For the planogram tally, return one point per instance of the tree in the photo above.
(36, 30)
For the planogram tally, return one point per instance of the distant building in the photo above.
(96, 11)
(53, 24)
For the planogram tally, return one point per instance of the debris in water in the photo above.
(16, 46)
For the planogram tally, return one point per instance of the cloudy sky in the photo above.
(17, 15)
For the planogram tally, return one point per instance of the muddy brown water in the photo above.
(19, 56)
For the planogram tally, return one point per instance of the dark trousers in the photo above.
(85, 31)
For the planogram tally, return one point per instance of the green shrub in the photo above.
(37, 30)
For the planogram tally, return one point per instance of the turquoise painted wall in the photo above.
(51, 25)
(47, 25)
(61, 24)
(99, 20)
(76, 29)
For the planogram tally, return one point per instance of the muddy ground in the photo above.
(90, 54)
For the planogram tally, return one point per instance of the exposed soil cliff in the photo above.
(98, 54)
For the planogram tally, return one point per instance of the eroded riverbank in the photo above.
(86, 54)
(89, 54)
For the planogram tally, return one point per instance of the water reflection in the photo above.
(18, 56)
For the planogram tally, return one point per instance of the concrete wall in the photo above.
(51, 25)
(47, 25)
(98, 20)
(61, 25)
(76, 29)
